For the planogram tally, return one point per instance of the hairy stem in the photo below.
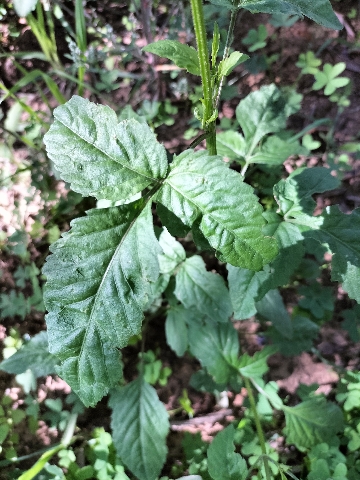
(258, 426)
(204, 61)
(229, 40)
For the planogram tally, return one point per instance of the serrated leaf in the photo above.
(227, 65)
(291, 252)
(231, 144)
(272, 307)
(318, 299)
(195, 287)
(173, 252)
(341, 233)
(182, 55)
(216, 346)
(244, 286)
(274, 151)
(98, 281)
(247, 287)
(24, 7)
(260, 113)
(101, 157)
(318, 10)
(140, 424)
(34, 355)
(176, 329)
(304, 332)
(201, 186)
(223, 462)
(256, 365)
(294, 195)
(311, 422)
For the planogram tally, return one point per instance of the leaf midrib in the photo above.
(77, 134)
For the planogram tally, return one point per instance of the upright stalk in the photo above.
(258, 427)
(204, 61)
(229, 40)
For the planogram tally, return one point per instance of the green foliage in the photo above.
(329, 78)
(139, 436)
(182, 55)
(114, 269)
(223, 462)
(307, 423)
(33, 355)
(256, 38)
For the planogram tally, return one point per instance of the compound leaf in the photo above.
(201, 186)
(195, 287)
(217, 348)
(140, 424)
(311, 422)
(98, 280)
(101, 157)
(223, 462)
(182, 55)
(34, 355)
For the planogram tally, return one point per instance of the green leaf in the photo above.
(98, 281)
(173, 252)
(274, 151)
(272, 307)
(304, 332)
(227, 65)
(308, 63)
(329, 78)
(215, 45)
(34, 355)
(195, 287)
(24, 7)
(351, 322)
(260, 113)
(217, 348)
(201, 186)
(231, 144)
(318, 299)
(244, 286)
(294, 195)
(291, 252)
(176, 329)
(341, 233)
(175, 226)
(318, 10)
(223, 462)
(101, 157)
(256, 38)
(256, 365)
(182, 55)
(140, 424)
(311, 422)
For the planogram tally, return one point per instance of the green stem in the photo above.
(258, 426)
(204, 61)
(229, 40)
